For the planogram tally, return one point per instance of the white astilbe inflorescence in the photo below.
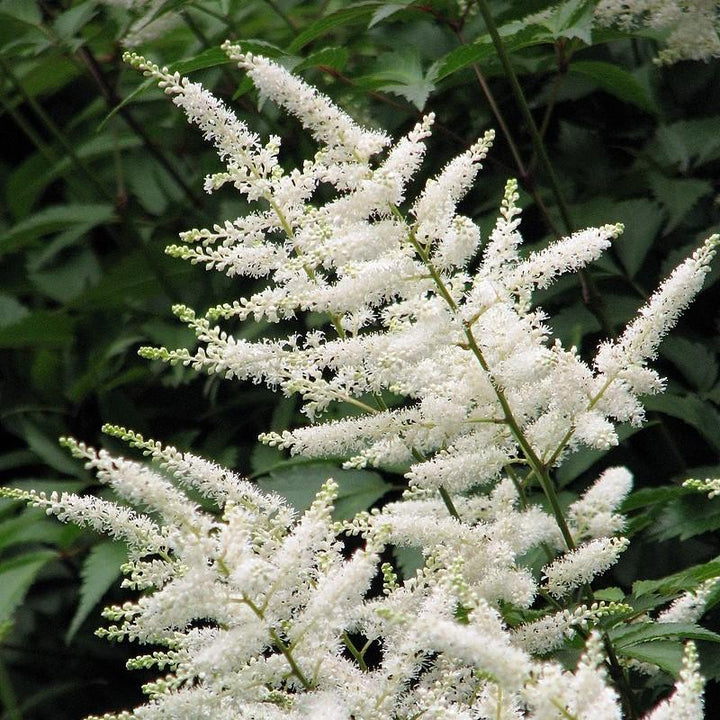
(467, 350)
(592, 515)
(254, 611)
(690, 606)
(711, 486)
(686, 702)
(579, 566)
(433, 341)
(582, 695)
(691, 27)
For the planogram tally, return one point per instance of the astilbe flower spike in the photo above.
(254, 611)
(691, 25)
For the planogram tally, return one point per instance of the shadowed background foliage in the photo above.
(100, 172)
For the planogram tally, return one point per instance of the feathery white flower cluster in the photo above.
(260, 613)
(711, 486)
(692, 26)
(690, 606)
(467, 349)
(256, 613)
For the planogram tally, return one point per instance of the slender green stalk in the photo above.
(7, 695)
(497, 113)
(449, 504)
(281, 645)
(47, 151)
(212, 13)
(285, 650)
(537, 141)
(541, 470)
(54, 130)
(113, 100)
(282, 14)
(42, 147)
(84, 58)
(590, 295)
(357, 654)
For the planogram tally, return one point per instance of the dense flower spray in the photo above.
(255, 612)
(690, 27)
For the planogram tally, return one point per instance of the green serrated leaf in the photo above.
(31, 526)
(652, 496)
(569, 19)
(48, 449)
(401, 73)
(333, 57)
(678, 196)
(16, 576)
(16, 459)
(666, 654)
(387, 10)
(617, 82)
(212, 57)
(686, 144)
(623, 636)
(299, 484)
(694, 360)
(40, 328)
(344, 16)
(129, 279)
(100, 570)
(515, 36)
(692, 410)
(611, 594)
(682, 581)
(31, 178)
(49, 73)
(70, 21)
(27, 12)
(642, 219)
(66, 280)
(53, 219)
(687, 517)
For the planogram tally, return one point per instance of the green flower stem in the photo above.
(84, 58)
(541, 470)
(282, 14)
(357, 654)
(619, 675)
(449, 504)
(591, 297)
(524, 173)
(47, 151)
(50, 155)
(537, 141)
(285, 650)
(7, 695)
(41, 146)
(212, 13)
(281, 645)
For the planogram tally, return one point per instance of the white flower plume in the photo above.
(255, 611)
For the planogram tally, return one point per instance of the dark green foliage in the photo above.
(100, 172)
